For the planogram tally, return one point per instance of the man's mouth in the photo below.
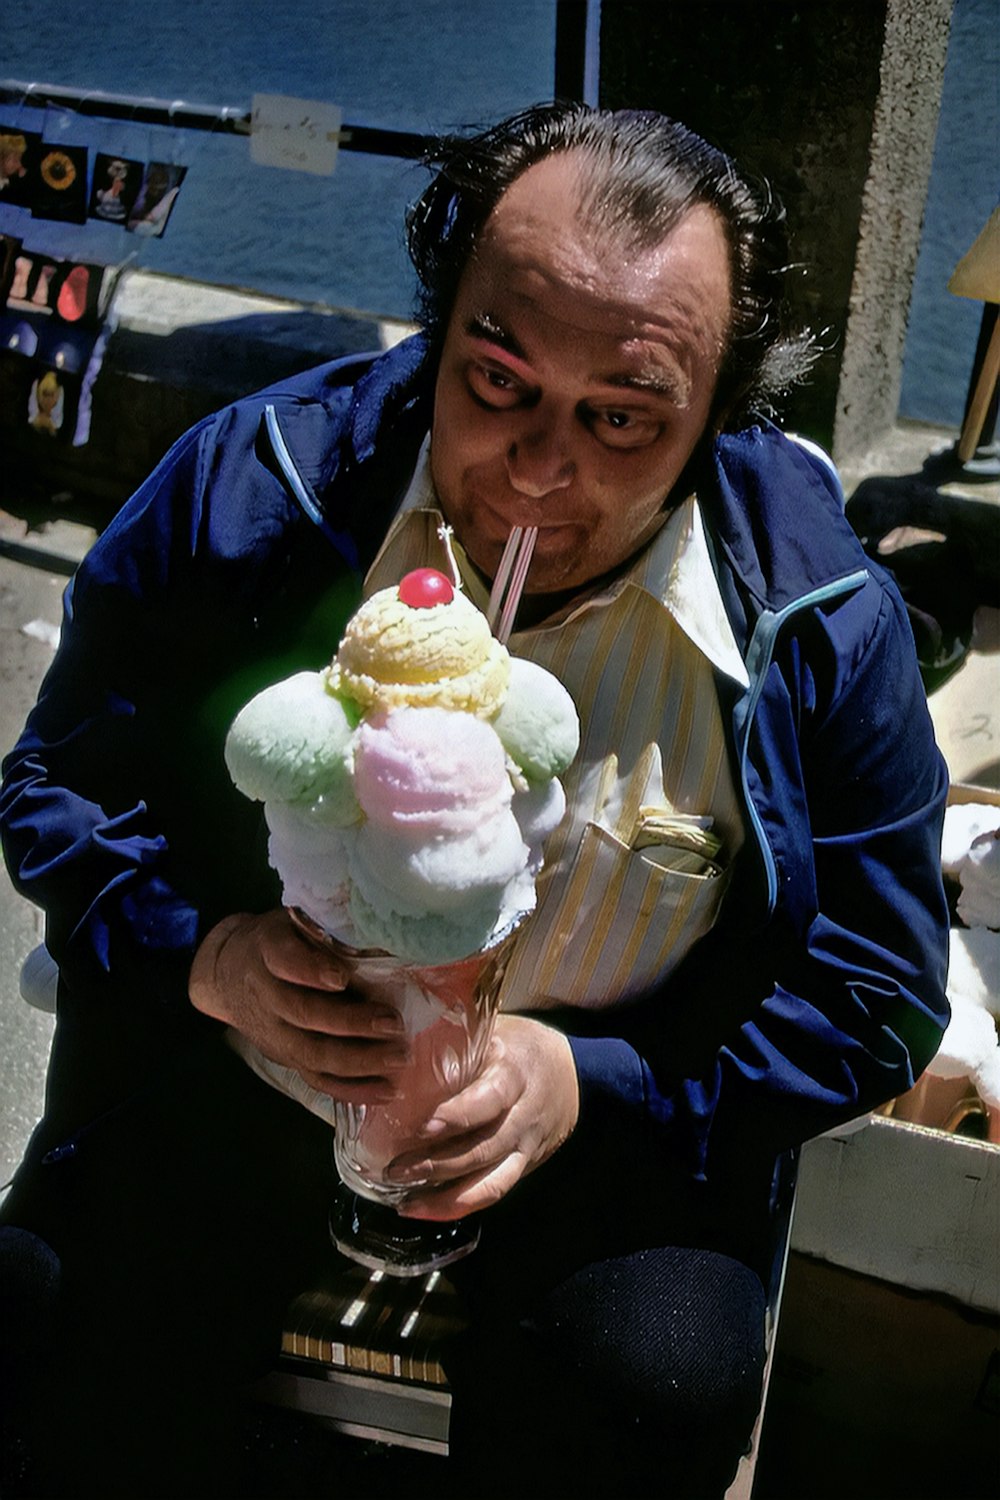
(496, 523)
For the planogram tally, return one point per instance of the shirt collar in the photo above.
(675, 567)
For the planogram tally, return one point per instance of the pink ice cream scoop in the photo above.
(439, 841)
(429, 770)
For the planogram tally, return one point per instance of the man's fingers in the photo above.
(344, 1014)
(350, 1090)
(477, 1108)
(476, 1153)
(467, 1196)
(288, 956)
(347, 1057)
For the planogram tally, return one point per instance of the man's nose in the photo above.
(540, 461)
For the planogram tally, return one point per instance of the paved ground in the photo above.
(35, 555)
(30, 605)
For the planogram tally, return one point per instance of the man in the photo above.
(602, 313)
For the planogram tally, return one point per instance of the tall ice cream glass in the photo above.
(448, 1011)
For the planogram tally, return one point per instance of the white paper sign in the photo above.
(297, 134)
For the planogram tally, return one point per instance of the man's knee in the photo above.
(673, 1336)
(29, 1292)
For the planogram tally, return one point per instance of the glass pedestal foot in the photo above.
(377, 1237)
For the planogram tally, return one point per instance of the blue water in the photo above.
(419, 65)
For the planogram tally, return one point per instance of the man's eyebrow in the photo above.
(671, 384)
(483, 326)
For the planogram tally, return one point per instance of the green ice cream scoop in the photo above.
(293, 742)
(538, 724)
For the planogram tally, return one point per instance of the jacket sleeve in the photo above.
(838, 1003)
(80, 837)
(117, 815)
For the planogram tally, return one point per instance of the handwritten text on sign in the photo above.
(297, 134)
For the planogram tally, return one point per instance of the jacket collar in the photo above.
(774, 515)
(350, 439)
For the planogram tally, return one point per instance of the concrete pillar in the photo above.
(836, 105)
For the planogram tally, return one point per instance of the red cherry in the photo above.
(425, 587)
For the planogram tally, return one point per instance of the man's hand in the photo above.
(520, 1109)
(290, 999)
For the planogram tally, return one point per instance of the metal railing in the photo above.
(223, 118)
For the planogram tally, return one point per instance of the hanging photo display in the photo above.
(53, 319)
(55, 308)
(117, 180)
(53, 180)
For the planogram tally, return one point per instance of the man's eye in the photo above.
(493, 386)
(618, 428)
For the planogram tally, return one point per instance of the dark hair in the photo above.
(644, 171)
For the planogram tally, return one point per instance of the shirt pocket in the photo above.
(620, 922)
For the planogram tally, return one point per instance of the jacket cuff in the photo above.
(610, 1074)
(143, 944)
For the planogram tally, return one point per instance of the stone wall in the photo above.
(892, 213)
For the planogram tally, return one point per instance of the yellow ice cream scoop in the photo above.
(423, 644)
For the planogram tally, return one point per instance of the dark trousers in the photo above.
(615, 1345)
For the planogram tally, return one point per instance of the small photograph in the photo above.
(19, 155)
(47, 403)
(77, 292)
(68, 350)
(117, 181)
(51, 402)
(18, 334)
(154, 205)
(31, 283)
(60, 190)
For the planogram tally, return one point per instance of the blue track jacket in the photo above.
(820, 992)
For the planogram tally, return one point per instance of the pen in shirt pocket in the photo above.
(682, 841)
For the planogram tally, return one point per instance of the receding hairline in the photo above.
(595, 180)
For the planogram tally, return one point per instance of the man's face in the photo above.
(576, 379)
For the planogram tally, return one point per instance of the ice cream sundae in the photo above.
(408, 790)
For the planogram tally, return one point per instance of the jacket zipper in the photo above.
(301, 492)
(759, 656)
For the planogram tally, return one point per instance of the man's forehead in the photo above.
(640, 314)
(541, 250)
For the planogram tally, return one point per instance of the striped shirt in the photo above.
(636, 872)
